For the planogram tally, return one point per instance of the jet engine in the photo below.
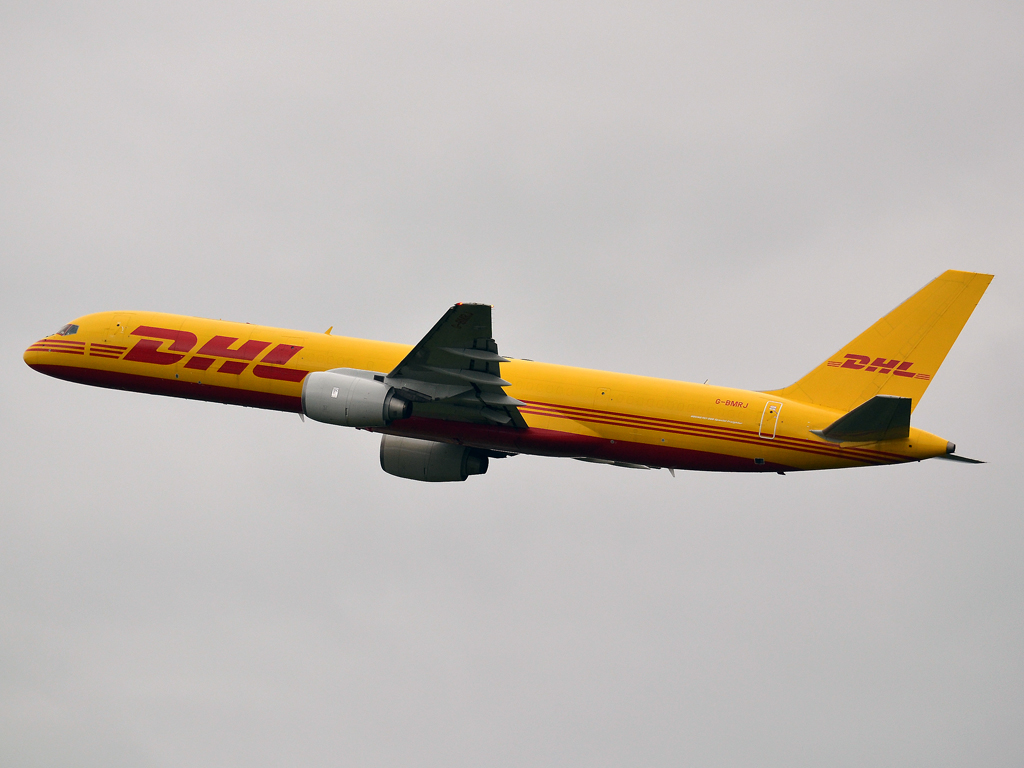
(352, 398)
(429, 461)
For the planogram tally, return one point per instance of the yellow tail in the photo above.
(900, 354)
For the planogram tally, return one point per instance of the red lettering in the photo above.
(280, 354)
(885, 365)
(880, 364)
(851, 361)
(183, 340)
(281, 374)
(199, 363)
(232, 366)
(147, 350)
(218, 346)
(902, 370)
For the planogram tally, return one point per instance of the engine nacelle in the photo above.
(428, 460)
(352, 398)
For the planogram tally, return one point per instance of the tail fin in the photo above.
(900, 353)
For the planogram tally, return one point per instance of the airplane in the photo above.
(449, 404)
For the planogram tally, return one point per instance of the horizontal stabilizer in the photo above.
(954, 457)
(883, 417)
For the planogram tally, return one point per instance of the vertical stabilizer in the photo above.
(901, 353)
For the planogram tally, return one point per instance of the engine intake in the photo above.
(352, 398)
(428, 460)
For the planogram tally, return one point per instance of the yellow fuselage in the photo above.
(574, 412)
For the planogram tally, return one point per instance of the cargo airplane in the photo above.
(450, 403)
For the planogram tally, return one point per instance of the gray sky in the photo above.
(728, 192)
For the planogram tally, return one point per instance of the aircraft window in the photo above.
(68, 330)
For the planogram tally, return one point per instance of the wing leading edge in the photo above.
(454, 372)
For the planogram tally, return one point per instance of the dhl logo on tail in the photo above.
(880, 364)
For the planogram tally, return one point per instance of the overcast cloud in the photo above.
(727, 191)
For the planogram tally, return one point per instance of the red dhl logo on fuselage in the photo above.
(879, 364)
(147, 350)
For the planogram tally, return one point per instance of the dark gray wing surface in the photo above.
(883, 417)
(454, 373)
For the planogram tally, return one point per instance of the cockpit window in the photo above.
(68, 330)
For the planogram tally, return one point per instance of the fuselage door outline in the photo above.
(769, 420)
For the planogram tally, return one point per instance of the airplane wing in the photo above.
(454, 373)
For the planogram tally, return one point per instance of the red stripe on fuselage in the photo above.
(749, 440)
(706, 430)
(55, 350)
(62, 341)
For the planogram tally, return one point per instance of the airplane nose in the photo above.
(31, 355)
(43, 350)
